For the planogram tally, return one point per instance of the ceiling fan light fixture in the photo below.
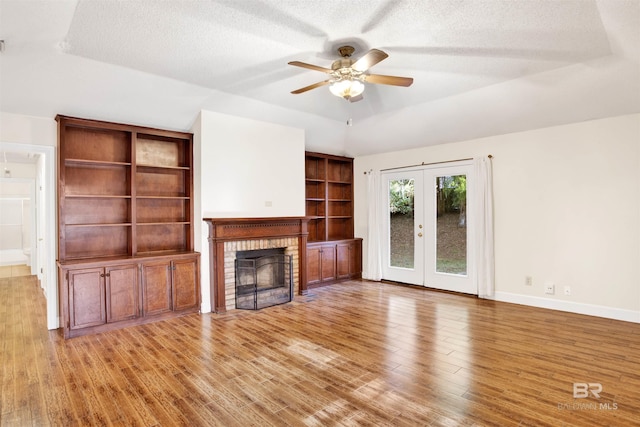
(347, 77)
(346, 88)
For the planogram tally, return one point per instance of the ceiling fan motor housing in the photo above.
(342, 63)
(345, 61)
(346, 51)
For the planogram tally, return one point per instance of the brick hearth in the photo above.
(231, 248)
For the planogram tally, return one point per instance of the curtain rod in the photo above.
(429, 164)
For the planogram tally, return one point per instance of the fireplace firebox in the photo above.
(264, 278)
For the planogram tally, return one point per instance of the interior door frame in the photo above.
(47, 213)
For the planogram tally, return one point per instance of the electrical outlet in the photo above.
(567, 290)
(528, 281)
(549, 288)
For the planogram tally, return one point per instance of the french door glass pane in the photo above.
(451, 224)
(401, 217)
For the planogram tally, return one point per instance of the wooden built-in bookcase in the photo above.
(329, 196)
(332, 251)
(125, 199)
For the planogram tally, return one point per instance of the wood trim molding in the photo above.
(238, 229)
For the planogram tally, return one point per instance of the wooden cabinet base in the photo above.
(124, 324)
(101, 295)
(333, 261)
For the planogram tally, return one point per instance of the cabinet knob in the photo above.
(419, 234)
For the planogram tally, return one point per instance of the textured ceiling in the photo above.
(480, 68)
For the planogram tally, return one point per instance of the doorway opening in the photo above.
(43, 247)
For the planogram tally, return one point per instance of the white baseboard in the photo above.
(571, 307)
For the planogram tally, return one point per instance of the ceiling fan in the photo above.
(347, 77)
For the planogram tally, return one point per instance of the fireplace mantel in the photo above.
(223, 230)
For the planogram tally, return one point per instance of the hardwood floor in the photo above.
(357, 353)
(14, 270)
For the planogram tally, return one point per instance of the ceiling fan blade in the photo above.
(310, 66)
(388, 80)
(307, 88)
(369, 59)
(356, 98)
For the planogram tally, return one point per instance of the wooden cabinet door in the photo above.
(186, 284)
(349, 259)
(321, 264)
(86, 298)
(156, 287)
(344, 259)
(328, 263)
(122, 291)
(313, 264)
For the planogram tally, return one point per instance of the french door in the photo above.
(428, 227)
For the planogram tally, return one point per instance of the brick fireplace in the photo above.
(227, 236)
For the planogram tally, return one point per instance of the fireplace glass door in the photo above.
(263, 278)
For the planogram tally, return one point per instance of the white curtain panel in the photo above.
(484, 238)
(374, 253)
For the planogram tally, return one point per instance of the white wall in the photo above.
(28, 130)
(567, 210)
(244, 169)
(261, 161)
